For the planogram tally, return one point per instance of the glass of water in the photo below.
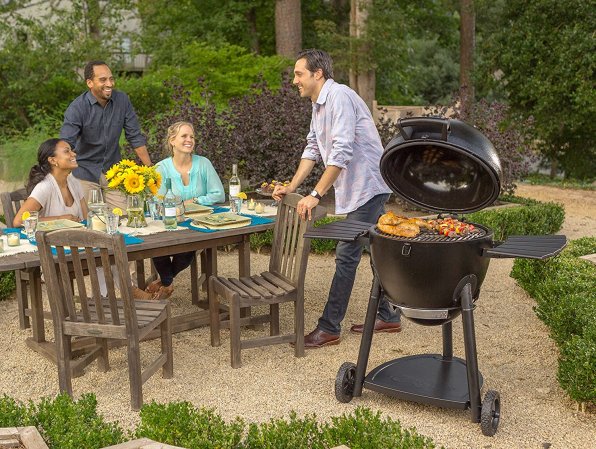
(235, 204)
(112, 222)
(30, 225)
(154, 210)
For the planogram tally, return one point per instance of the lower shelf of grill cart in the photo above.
(425, 378)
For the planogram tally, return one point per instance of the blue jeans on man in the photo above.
(347, 259)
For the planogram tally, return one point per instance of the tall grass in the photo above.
(18, 154)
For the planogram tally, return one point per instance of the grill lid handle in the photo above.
(443, 125)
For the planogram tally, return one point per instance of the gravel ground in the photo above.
(515, 354)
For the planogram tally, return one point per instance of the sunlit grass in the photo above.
(541, 179)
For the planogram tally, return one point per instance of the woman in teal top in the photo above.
(193, 177)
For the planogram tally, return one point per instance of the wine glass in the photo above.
(95, 200)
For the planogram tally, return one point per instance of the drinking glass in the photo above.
(154, 211)
(30, 225)
(235, 204)
(95, 200)
(112, 222)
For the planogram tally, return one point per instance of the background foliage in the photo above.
(548, 74)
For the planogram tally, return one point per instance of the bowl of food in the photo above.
(267, 188)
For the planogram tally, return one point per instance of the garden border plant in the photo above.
(565, 294)
(65, 423)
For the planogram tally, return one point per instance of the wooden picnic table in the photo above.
(159, 244)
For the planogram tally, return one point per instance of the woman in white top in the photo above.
(53, 191)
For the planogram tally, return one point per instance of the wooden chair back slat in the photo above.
(287, 251)
(80, 283)
(11, 203)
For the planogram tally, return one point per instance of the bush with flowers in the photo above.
(133, 179)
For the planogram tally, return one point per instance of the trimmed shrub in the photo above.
(565, 294)
(62, 422)
(181, 424)
(295, 433)
(536, 218)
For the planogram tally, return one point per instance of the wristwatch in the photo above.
(316, 194)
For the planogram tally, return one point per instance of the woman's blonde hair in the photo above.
(173, 130)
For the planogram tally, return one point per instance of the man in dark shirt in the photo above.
(92, 126)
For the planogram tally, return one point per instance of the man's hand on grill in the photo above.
(305, 206)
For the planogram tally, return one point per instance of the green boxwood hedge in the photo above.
(564, 288)
(68, 424)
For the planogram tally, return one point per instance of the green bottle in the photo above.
(169, 207)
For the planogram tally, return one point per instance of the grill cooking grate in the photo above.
(428, 236)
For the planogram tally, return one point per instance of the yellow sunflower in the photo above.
(112, 172)
(128, 163)
(134, 183)
(115, 182)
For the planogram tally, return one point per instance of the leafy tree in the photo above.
(39, 56)
(544, 58)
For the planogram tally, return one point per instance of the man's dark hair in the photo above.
(88, 72)
(317, 59)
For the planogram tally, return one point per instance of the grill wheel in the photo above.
(344, 382)
(491, 413)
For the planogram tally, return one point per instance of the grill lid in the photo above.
(442, 165)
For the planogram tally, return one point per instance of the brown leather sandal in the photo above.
(165, 291)
(137, 293)
(154, 286)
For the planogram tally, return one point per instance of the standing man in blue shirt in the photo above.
(93, 123)
(344, 136)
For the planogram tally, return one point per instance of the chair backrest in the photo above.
(86, 249)
(11, 203)
(290, 250)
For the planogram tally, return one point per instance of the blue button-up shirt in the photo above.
(94, 132)
(343, 134)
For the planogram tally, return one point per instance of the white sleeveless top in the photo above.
(47, 193)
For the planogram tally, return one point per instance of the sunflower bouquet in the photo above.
(133, 179)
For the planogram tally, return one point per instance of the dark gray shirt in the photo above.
(94, 131)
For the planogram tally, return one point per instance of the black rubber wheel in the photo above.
(490, 413)
(344, 382)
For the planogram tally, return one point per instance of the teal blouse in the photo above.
(204, 184)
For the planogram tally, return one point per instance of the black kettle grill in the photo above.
(450, 167)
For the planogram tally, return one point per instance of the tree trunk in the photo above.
(93, 19)
(288, 28)
(362, 77)
(251, 18)
(467, 31)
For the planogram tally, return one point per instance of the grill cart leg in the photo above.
(447, 341)
(367, 335)
(470, 348)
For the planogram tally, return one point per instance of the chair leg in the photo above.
(194, 280)
(63, 355)
(274, 317)
(213, 313)
(22, 299)
(166, 345)
(134, 374)
(235, 332)
(103, 361)
(299, 326)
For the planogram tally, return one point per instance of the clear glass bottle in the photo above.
(234, 182)
(170, 202)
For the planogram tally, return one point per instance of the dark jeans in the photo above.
(169, 266)
(347, 259)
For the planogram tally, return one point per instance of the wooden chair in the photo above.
(11, 203)
(283, 282)
(90, 315)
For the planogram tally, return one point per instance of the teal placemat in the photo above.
(254, 220)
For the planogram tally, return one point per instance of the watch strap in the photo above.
(315, 194)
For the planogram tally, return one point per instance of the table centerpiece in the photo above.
(137, 182)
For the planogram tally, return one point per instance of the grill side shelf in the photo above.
(529, 247)
(342, 230)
